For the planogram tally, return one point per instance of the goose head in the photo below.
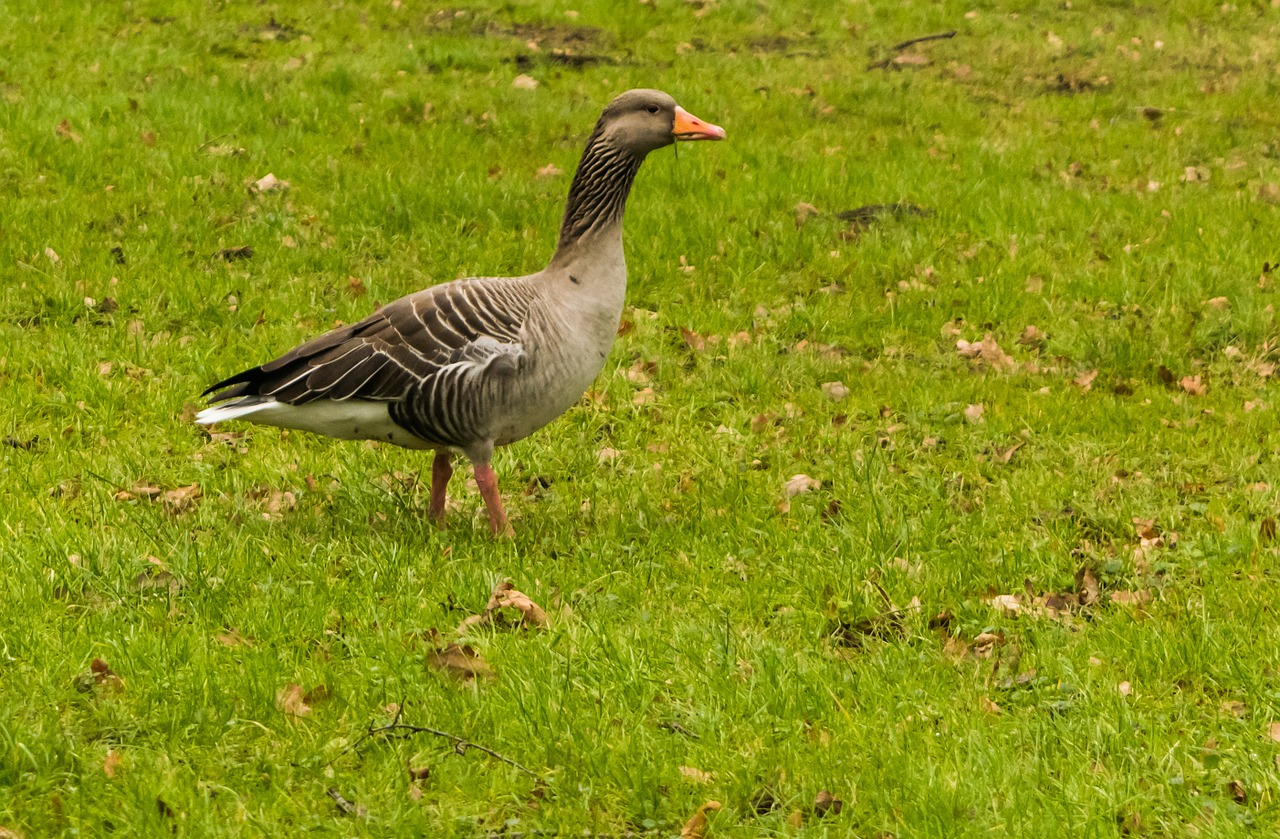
(642, 121)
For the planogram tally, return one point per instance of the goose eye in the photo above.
(653, 109)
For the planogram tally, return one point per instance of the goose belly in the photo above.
(545, 391)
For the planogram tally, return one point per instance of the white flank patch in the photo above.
(352, 419)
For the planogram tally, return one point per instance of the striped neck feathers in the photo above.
(599, 191)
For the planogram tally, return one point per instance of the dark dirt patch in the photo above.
(548, 36)
(869, 213)
(564, 58)
(1072, 83)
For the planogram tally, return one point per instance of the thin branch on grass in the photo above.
(461, 745)
(343, 804)
(910, 42)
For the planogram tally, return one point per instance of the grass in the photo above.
(848, 643)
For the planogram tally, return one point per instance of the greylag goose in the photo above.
(477, 363)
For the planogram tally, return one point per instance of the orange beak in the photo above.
(689, 127)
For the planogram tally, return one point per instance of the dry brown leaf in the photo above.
(988, 706)
(1267, 530)
(798, 484)
(138, 491)
(1193, 385)
(973, 413)
(696, 827)
(550, 171)
(804, 212)
(99, 676)
(290, 700)
(1087, 586)
(835, 391)
(693, 340)
(1218, 303)
(505, 596)
(181, 500)
(524, 82)
(232, 638)
(1084, 381)
(1033, 336)
(825, 803)
(1273, 731)
(460, 661)
(988, 352)
(355, 286)
(697, 775)
(1131, 598)
(270, 183)
(643, 396)
(64, 131)
(1125, 689)
(111, 764)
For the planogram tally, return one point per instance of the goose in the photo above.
(474, 364)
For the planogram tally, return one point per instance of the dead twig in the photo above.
(461, 745)
(343, 804)
(910, 42)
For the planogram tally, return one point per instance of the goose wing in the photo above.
(468, 325)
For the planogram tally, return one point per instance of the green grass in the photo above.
(693, 622)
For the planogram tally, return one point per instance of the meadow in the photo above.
(930, 490)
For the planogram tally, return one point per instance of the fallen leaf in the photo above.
(1087, 586)
(973, 414)
(1131, 598)
(183, 499)
(798, 484)
(1219, 303)
(270, 183)
(1273, 731)
(1193, 385)
(524, 82)
(460, 661)
(355, 286)
(111, 764)
(231, 638)
(1267, 530)
(550, 171)
(804, 212)
(1033, 336)
(290, 700)
(825, 803)
(1125, 688)
(696, 827)
(693, 340)
(988, 706)
(505, 596)
(697, 775)
(1238, 792)
(99, 676)
(987, 351)
(1084, 381)
(64, 131)
(1010, 604)
(835, 391)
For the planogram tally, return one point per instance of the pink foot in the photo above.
(441, 471)
(487, 481)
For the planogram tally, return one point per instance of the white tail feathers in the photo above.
(221, 413)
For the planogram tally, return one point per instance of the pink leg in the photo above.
(441, 471)
(488, 483)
